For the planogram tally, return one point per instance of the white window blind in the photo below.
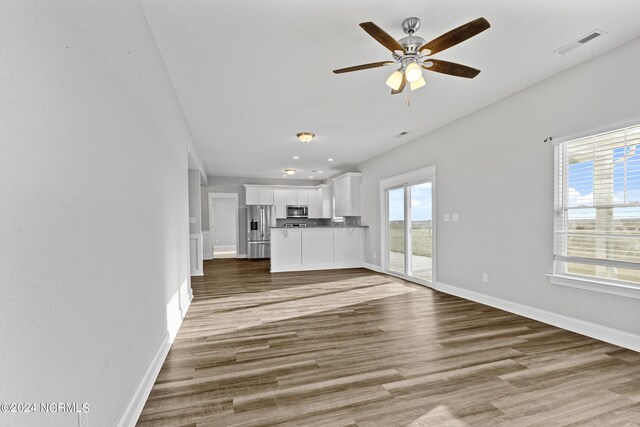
(597, 207)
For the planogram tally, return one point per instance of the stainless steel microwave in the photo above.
(297, 212)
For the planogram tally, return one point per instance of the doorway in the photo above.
(223, 224)
(408, 226)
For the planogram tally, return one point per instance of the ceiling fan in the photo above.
(412, 53)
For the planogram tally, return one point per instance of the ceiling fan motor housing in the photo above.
(410, 25)
(412, 43)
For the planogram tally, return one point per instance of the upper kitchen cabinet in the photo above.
(258, 195)
(297, 196)
(280, 200)
(319, 202)
(347, 191)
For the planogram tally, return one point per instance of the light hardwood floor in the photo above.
(357, 348)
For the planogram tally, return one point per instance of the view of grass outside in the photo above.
(599, 178)
(622, 245)
(421, 237)
(419, 217)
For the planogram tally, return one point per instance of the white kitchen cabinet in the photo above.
(317, 247)
(324, 201)
(286, 249)
(292, 196)
(266, 195)
(315, 210)
(258, 195)
(347, 192)
(252, 195)
(280, 200)
(297, 196)
(320, 202)
(349, 245)
(302, 197)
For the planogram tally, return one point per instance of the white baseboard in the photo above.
(593, 330)
(141, 394)
(240, 256)
(224, 255)
(373, 267)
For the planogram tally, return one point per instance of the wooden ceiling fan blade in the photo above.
(457, 35)
(362, 67)
(402, 86)
(452, 69)
(382, 37)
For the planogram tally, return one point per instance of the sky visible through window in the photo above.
(581, 185)
(420, 203)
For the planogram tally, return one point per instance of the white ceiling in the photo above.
(250, 74)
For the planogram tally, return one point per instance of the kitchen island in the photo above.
(316, 248)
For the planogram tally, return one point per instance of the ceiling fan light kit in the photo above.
(417, 84)
(413, 72)
(413, 53)
(395, 80)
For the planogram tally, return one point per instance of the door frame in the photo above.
(211, 197)
(406, 179)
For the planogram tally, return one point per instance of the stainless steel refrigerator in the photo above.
(260, 219)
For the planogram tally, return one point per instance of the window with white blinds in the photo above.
(597, 207)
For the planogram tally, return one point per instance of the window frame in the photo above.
(559, 276)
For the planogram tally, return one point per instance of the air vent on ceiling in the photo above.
(579, 42)
(400, 135)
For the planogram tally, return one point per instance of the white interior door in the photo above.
(223, 224)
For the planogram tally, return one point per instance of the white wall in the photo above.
(231, 184)
(224, 214)
(93, 206)
(495, 170)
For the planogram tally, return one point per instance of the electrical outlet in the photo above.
(375, 255)
(455, 217)
(485, 277)
(445, 217)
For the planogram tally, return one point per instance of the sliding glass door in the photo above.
(421, 231)
(409, 231)
(396, 230)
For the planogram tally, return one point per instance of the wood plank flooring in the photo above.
(356, 348)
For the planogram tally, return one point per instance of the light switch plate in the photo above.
(455, 217)
(445, 217)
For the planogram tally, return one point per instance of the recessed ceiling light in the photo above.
(319, 171)
(289, 171)
(331, 160)
(296, 157)
(284, 176)
(311, 177)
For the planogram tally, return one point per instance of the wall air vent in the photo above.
(579, 42)
(400, 135)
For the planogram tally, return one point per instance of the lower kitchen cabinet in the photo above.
(349, 245)
(316, 248)
(286, 248)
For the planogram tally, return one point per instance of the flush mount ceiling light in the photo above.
(289, 171)
(330, 160)
(305, 136)
(413, 53)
